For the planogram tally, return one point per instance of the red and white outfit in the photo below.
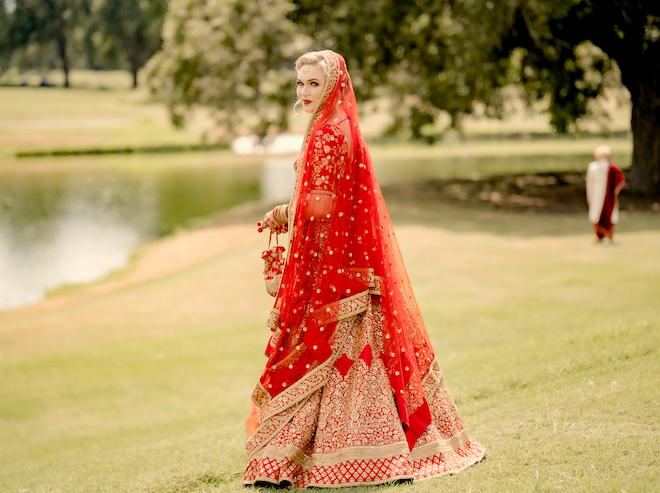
(352, 392)
(604, 182)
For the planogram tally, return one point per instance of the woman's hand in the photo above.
(271, 223)
(267, 222)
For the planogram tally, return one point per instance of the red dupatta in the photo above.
(343, 254)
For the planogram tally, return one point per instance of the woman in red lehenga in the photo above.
(352, 392)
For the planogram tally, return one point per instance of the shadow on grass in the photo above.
(520, 205)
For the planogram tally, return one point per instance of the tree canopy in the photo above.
(96, 33)
(435, 57)
(563, 51)
(45, 21)
(443, 56)
(551, 33)
(229, 55)
(419, 49)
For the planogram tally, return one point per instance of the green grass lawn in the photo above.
(47, 119)
(548, 342)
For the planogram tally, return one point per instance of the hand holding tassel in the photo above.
(276, 220)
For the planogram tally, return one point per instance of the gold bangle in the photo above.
(280, 214)
(276, 214)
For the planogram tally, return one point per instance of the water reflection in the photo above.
(278, 178)
(62, 227)
(66, 229)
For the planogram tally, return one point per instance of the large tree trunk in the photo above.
(135, 77)
(133, 54)
(61, 50)
(645, 121)
(135, 67)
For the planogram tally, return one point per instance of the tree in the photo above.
(4, 34)
(229, 55)
(442, 56)
(435, 57)
(628, 32)
(132, 27)
(417, 49)
(46, 21)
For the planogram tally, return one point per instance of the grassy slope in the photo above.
(552, 362)
(548, 342)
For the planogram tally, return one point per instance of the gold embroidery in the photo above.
(439, 446)
(358, 453)
(433, 379)
(347, 431)
(274, 325)
(276, 412)
(366, 276)
(273, 319)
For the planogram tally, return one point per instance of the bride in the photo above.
(352, 393)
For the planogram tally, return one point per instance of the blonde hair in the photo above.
(313, 58)
(602, 152)
(308, 59)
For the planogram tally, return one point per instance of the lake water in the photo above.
(67, 221)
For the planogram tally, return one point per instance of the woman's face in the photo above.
(311, 80)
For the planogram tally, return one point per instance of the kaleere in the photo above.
(273, 265)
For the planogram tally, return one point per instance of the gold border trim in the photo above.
(433, 379)
(437, 447)
(277, 412)
(377, 452)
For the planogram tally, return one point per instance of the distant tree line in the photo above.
(98, 34)
(435, 59)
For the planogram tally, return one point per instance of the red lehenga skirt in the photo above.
(340, 426)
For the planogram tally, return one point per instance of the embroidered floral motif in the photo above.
(273, 319)
(328, 158)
